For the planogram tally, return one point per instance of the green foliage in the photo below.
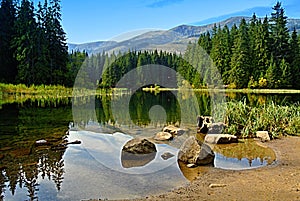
(258, 54)
(34, 49)
(244, 120)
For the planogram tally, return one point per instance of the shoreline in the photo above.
(280, 181)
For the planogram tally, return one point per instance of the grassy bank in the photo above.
(216, 90)
(278, 120)
(42, 90)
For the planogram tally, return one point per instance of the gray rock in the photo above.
(139, 146)
(220, 139)
(216, 128)
(162, 136)
(263, 136)
(194, 152)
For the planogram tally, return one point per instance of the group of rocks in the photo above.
(193, 152)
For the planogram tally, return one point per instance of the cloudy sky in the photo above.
(94, 20)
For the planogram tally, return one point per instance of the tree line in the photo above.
(33, 48)
(258, 54)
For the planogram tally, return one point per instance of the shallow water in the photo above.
(95, 168)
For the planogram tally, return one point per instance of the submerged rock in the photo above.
(194, 152)
(167, 155)
(220, 139)
(139, 146)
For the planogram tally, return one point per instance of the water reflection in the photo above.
(35, 172)
(22, 162)
(244, 155)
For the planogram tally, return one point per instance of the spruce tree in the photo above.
(56, 42)
(286, 77)
(273, 74)
(280, 34)
(240, 60)
(295, 61)
(261, 53)
(8, 64)
(24, 42)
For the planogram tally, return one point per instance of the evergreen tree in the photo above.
(261, 53)
(205, 42)
(8, 64)
(280, 34)
(240, 61)
(273, 74)
(286, 77)
(295, 61)
(56, 39)
(221, 51)
(24, 42)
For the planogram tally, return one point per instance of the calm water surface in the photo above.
(95, 168)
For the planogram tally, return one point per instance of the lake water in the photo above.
(95, 168)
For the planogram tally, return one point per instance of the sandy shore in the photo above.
(280, 181)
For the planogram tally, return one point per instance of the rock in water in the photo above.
(167, 155)
(193, 152)
(220, 139)
(161, 136)
(173, 130)
(139, 146)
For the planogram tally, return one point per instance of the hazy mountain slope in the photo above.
(172, 40)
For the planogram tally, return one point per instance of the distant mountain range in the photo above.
(172, 40)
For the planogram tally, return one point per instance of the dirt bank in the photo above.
(277, 182)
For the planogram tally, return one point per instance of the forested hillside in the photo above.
(259, 54)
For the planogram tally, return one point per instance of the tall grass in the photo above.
(278, 120)
(42, 90)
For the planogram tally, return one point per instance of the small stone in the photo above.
(263, 136)
(216, 185)
(191, 165)
(41, 142)
(167, 155)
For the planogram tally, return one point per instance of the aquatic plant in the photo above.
(279, 120)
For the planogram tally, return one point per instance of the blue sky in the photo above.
(95, 20)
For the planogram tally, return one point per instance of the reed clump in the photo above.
(279, 120)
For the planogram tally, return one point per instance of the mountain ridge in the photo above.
(171, 40)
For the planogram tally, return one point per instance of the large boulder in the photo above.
(139, 146)
(194, 152)
(137, 152)
(220, 139)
